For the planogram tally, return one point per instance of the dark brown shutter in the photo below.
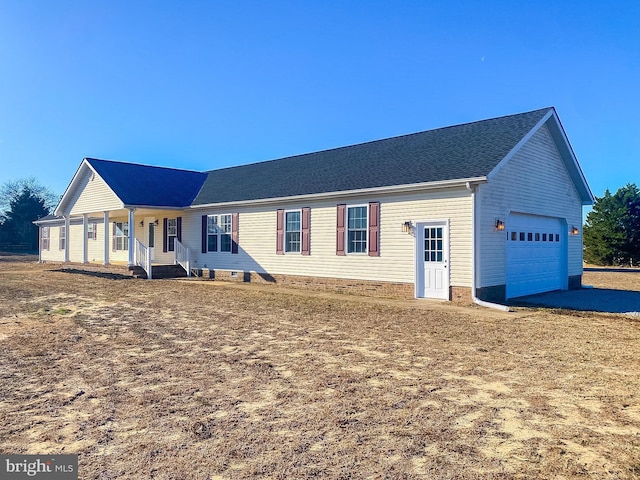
(234, 232)
(179, 228)
(280, 232)
(374, 229)
(165, 236)
(340, 230)
(113, 237)
(204, 234)
(306, 221)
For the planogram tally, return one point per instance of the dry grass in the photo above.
(181, 380)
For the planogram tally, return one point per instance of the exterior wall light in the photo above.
(574, 230)
(499, 225)
(141, 223)
(406, 226)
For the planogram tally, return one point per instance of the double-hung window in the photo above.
(172, 233)
(357, 225)
(121, 235)
(63, 237)
(44, 237)
(219, 230)
(293, 231)
(92, 231)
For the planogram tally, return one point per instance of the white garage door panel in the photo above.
(534, 255)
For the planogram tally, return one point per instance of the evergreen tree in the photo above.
(22, 206)
(612, 230)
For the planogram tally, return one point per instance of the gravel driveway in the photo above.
(592, 299)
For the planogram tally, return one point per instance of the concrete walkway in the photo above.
(590, 299)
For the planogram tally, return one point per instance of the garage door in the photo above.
(534, 255)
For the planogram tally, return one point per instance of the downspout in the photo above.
(476, 300)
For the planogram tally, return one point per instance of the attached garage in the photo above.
(536, 254)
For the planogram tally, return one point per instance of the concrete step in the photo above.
(167, 271)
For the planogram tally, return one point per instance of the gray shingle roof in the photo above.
(462, 151)
(145, 185)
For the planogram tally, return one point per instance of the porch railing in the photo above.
(143, 257)
(183, 256)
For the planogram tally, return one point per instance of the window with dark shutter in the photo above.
(280, 232)
(374, 229)
(340, 230)
(234, 232)
(204, 234)
(165, 237)
(306, 224)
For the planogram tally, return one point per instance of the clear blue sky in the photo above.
(208, 84)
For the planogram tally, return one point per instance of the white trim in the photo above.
(220, 234)
(73, 185)
(576, 166)
(475, 277)
(519, 145)
(346, 229)
(67, 225)
(132, 234)
(284, 236)
(107, 237)
(574, 159)
(408, 188)
(420, 225)
(85, 243)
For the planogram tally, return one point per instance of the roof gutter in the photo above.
(409, 188)
(474, 257)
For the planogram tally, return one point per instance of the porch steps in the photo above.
(159, 271)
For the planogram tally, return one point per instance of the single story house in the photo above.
(485, 210)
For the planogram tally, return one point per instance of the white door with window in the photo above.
(432, 260)
(150, 234)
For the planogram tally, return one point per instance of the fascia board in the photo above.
(153, 207)
(74, 184)
(409, 188)
(519, 145)
(572, 162)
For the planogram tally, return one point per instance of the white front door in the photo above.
(432, 260)
(150, 234)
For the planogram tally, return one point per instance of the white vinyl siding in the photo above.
(54, 254)
(93, 195)
(396, 263)
(534, 181)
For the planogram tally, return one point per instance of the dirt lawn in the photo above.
(205, 380)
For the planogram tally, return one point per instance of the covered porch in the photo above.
(136, 237)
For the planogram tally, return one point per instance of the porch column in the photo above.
(106, 238)
(85, 230)
(132, 234)
(67, 224)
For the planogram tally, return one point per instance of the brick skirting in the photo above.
(351, 286)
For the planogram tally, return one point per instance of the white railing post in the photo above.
(149, 264)
(182, 256)
(142, 257)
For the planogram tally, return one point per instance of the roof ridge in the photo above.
(91, 159)
(446, 127)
